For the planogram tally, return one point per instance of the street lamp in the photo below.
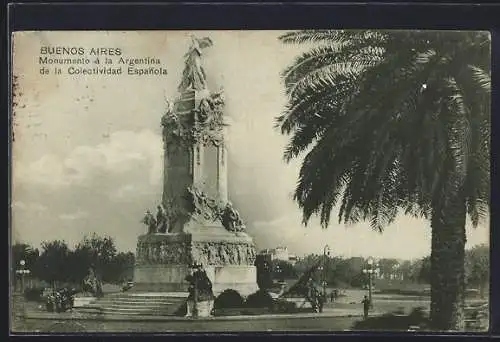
(278, 273)
(326, 253)
(395, 272)
(22, 271)
(370, 270)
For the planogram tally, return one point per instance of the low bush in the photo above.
(259, 299)
(229, 299)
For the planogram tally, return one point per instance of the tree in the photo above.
(26, 252)
(283, 269)
(95, 251)
(52, 265)
(424, 274)
(121, 267)
(395, 121)
(263, 265)
(478, 267)
(339, 271)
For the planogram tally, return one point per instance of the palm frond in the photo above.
(307, 36)
(459, 133)
(481, 78)
(358, 56)
(391, 119)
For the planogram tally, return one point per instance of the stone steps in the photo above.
(132, 305)
(140, 300)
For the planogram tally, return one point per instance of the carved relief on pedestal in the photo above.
(223, 253)
(162, 252)
(206, 253)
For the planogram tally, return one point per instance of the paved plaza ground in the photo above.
(337, 316)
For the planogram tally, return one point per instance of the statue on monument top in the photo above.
(161, 220)
(193, 76)
(160, 224)
(150, 221)
(231, 219)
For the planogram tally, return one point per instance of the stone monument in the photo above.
(195, 222)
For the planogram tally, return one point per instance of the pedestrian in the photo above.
(190, 278)
(366, 306)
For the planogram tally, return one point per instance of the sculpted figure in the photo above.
(250, 254)
(231, 219)
(223, 254)
(210, 255)
(171, 126)
(231, 254)
(163, 253)
(204, 111)
(200, 287)
(156, 253)
(239, 254)
(172, 215)
(161, 219)
(149, 220)
(193, 76)
(151, 254)
(195, 254)
(215, 254)
(180, 255)
(196, 197)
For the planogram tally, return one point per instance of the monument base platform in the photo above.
(167, 278)
(163, 260)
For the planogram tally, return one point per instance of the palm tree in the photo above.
(395, 121)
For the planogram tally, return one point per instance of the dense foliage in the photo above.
(282, 269)
(259, 299)
(348, 272)
(58, 264)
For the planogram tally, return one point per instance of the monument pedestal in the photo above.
(228, 258)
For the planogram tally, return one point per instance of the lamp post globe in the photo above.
(22, 262)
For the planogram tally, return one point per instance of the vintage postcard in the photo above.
(281, 181)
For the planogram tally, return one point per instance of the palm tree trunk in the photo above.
(447, 264)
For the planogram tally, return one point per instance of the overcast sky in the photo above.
(88, 151)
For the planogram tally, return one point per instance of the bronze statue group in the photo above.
(158, 224)
(200, 291)
(203, 206)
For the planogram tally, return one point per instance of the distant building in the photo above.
(279, 253)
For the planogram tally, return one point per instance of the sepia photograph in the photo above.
(250, 181)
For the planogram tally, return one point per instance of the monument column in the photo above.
(195, 223)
